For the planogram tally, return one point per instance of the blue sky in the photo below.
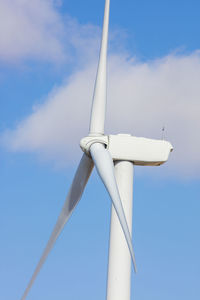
(48, 57)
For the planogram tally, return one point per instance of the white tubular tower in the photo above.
(119, 267)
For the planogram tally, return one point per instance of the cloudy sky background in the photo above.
(48, 59)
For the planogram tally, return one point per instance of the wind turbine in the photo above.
(113, 157)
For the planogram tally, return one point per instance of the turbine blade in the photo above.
(105, 168)
(80, 180)
(97, 118)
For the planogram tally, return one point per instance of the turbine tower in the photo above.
(114, 157)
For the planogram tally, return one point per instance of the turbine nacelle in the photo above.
(139, 150)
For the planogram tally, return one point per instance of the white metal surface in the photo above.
(119, 268)
(105, 168)
(99, 98)
(86, 142)
(139, 150)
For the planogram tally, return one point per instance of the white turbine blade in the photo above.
(80, 180)
(97, 118)
(105, 168)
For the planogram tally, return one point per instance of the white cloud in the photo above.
(161, 92)
(142, 97)
(36, 30)
(30, 29)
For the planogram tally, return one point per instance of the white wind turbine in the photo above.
(102, 150)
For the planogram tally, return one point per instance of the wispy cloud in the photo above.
(142, 97)
(30, 29)
(36, 30)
